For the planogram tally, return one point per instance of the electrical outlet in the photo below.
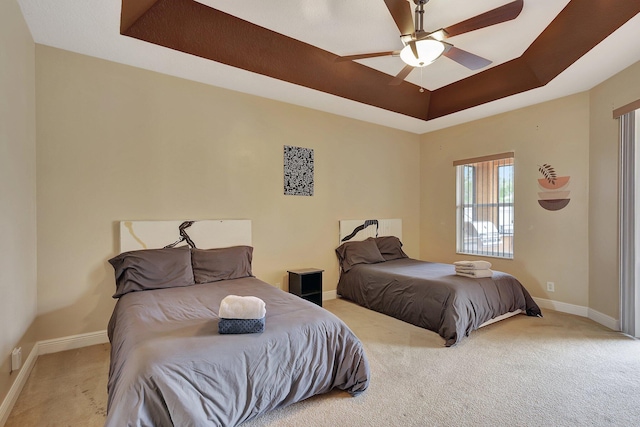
(16, 359)
(551, 287)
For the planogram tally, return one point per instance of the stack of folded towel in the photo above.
(241, 315)
(475, 269)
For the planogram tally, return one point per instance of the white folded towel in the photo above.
(476, 265)
(236, 307)
(476, 274)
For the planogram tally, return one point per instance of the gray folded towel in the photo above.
(241, 326)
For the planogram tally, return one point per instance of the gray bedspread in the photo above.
(431, 296)
(170, 366)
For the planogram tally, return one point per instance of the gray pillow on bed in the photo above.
(152, 269)
(362, 252)
(390, 247)
(213, 265)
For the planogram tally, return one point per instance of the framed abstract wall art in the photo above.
(298, 171)
(555, 193)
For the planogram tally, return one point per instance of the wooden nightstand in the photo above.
(307, 284)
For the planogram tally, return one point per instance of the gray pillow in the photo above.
(362, 252)
(390, 247)
(213, 265)
(152, 269)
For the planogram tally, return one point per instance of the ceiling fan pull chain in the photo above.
(421, 88)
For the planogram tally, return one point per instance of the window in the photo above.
(485, 216)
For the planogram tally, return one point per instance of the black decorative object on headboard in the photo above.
(359, 228)
(183, 235)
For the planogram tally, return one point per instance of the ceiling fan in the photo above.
(421, 48)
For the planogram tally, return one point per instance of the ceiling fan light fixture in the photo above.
(428, 51)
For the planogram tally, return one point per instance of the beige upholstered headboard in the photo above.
(204, 234)
(360, 229)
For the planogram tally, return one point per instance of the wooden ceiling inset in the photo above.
(196, 29)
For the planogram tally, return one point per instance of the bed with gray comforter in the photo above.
(170, 366)
(432, 296)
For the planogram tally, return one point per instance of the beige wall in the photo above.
(620, 90)
(17, 187)
(576, 247)
(548, 246)
(115, 142)
(120, 143)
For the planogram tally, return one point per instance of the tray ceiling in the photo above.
(286, 50)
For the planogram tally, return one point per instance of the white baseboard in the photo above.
(72, 342)
(564, 307)
(46, 347)
(21, 378)
(579, 310)
(604, 320)
(327, 295)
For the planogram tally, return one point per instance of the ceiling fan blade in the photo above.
(402, 15)
(366, 55)
(466, 59)
(414, 49)
(496, 16)
(399, 78)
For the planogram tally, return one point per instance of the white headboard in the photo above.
(205, 234)
(364, 228)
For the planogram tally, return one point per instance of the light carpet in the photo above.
(561, 370)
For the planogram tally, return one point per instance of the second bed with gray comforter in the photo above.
(432, 296)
